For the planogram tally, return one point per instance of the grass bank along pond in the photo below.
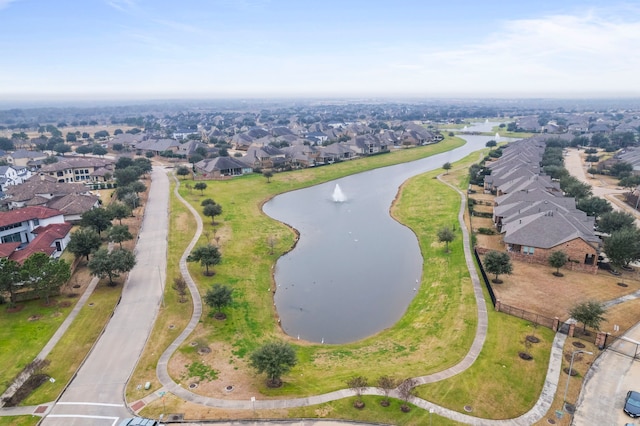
(354, 269)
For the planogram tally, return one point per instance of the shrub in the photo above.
(486, 231)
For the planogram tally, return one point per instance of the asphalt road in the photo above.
(96, 395)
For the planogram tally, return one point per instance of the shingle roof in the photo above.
(546, 230)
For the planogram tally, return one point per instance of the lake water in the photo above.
(354, 270)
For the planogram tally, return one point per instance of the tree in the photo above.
(126, 176)
(143, 164)
(275, 359)
(119, 233)
(491, 144)
(200, 186)
(594, 206)
(183, 171)
(405, 391)
(119, 211)
(217, 297)
(98, 219)
(557, 259)
(44, 274)
(207, 255)
(497, 262)
(180, 285)
(207, 202)
(386, 383)
(61, 148)
(212, 210)
(268, 174)
(590, 313)
(623, 246)
(446, 235)
(83, 242)
(111, 264)
(615, 221)
(446, 166)
(83, 149)
(98, 150)
(138, 187)
(358, 384)
(9, 278)
(124, 162)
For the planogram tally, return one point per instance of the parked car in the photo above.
(632, 404)
(139, 421)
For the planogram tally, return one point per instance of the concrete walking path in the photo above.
(533, 415)
(168, 385)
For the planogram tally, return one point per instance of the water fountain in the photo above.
(338, 196)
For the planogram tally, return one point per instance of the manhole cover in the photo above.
(229, 388)
(551, 421)
(171, 326)
(193, 385)
(468, 408)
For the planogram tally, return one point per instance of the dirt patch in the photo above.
(231, 371)
(31, 384)
(15, 309)
(34, 317)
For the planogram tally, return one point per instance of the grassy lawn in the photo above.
(435, 333)
(32, 327)
(22, 336)
(19, 420)
(246, 266)
(67, 355)
(499, 385)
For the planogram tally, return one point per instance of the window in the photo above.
(527, 250)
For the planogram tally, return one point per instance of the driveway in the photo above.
(96, 395)
(605, 387)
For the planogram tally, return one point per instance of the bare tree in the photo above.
(405, 390)
(386, 383)
(358, 384)
(180, 285)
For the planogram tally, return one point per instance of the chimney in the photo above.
(41, 176)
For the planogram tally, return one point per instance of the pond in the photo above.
(354, 270)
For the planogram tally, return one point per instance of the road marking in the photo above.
(84, 416)
(90, 403)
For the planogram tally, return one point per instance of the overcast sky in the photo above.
(159, 49)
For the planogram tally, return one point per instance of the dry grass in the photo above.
(533, 287)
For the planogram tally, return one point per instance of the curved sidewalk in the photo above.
(532, 416)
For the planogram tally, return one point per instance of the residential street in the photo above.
(97, 392)
(574, 165)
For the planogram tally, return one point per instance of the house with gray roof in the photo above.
(221, 167)
(22, 157)
(158, 145)
(540, 234)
